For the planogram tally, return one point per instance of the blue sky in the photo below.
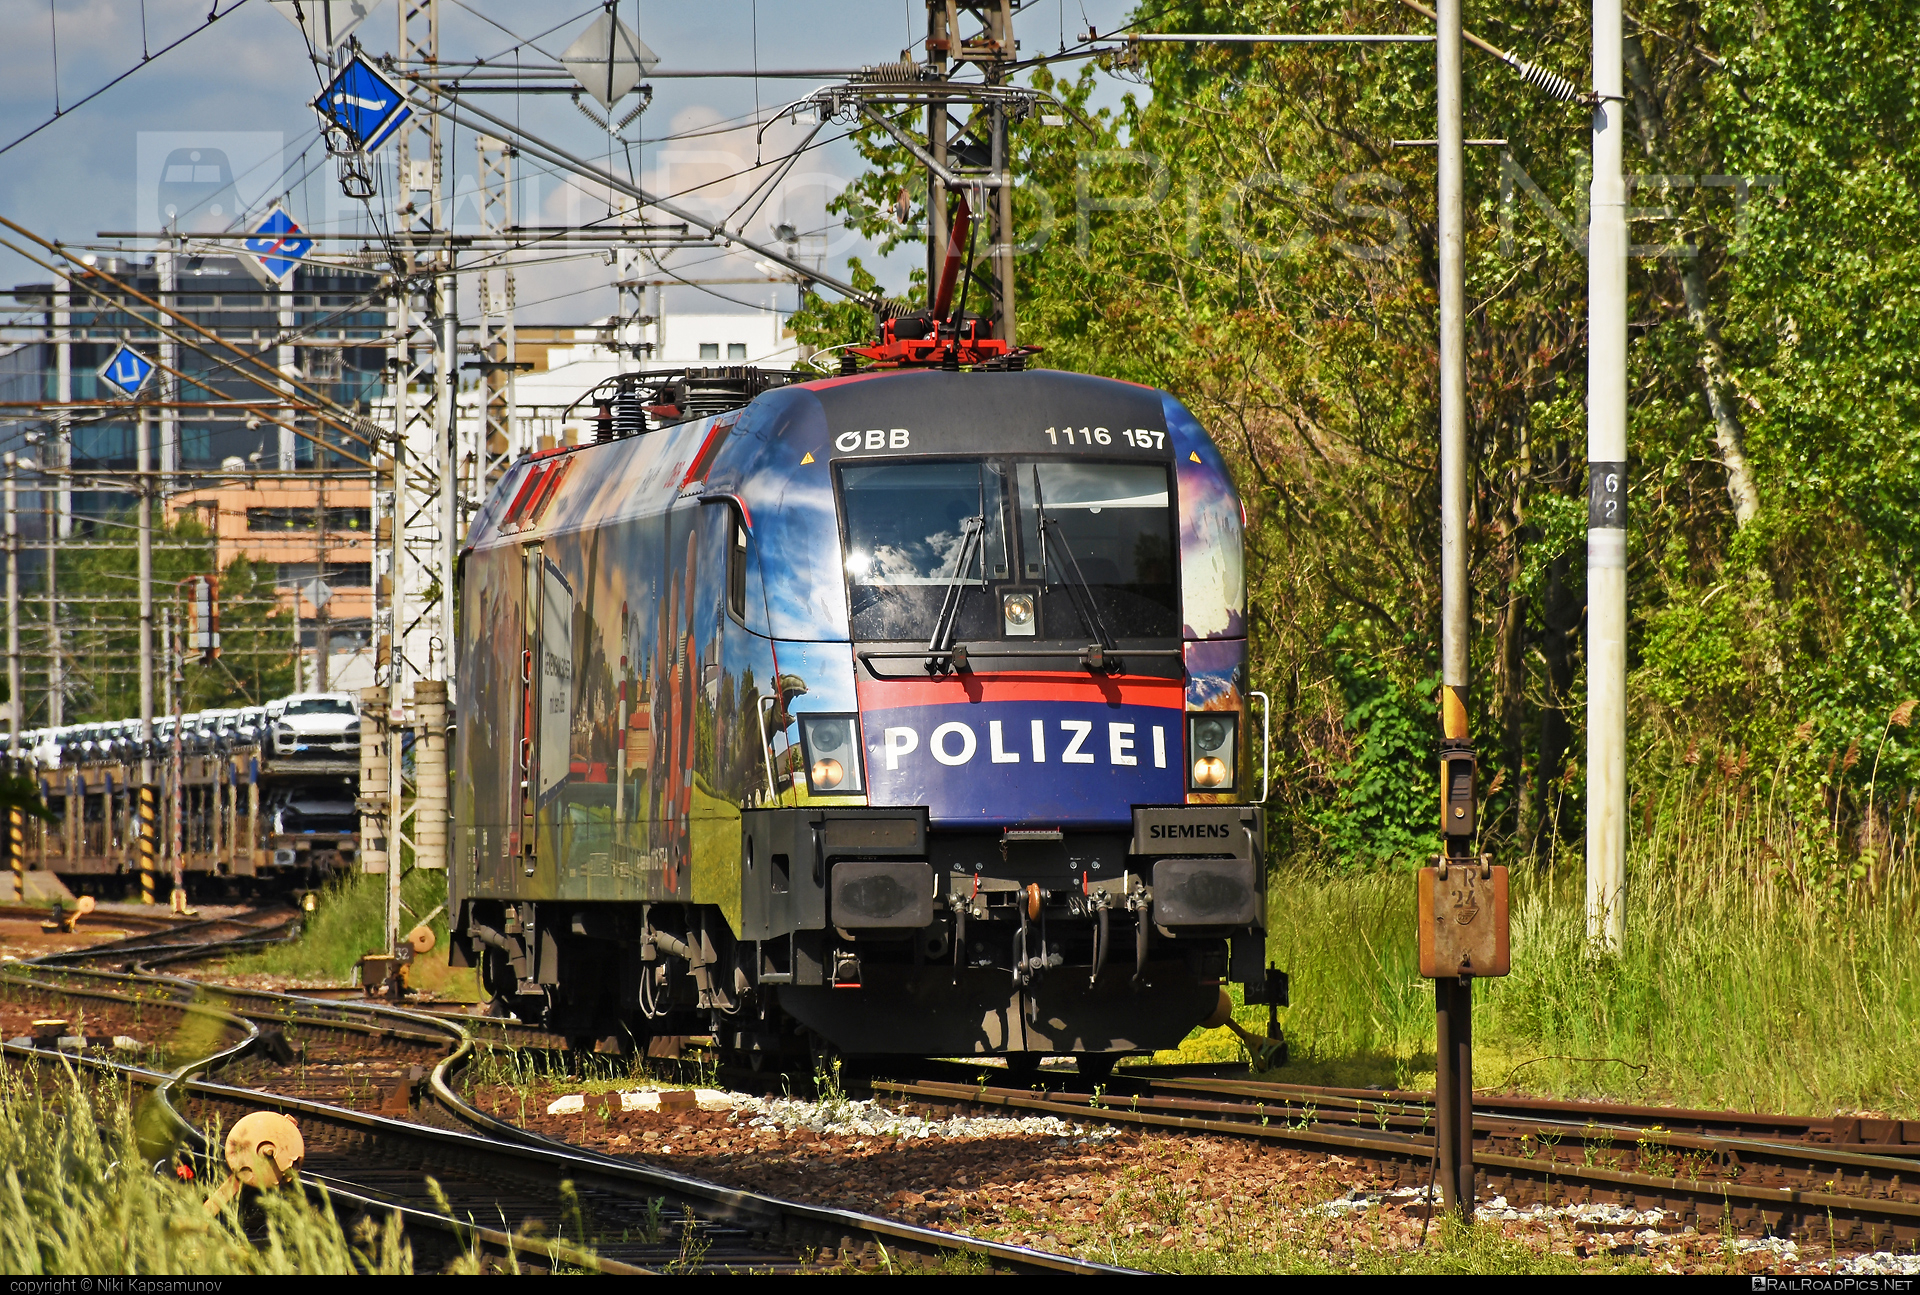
(244, 84)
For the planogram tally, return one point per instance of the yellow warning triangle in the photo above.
(1193, 456)
(807, 460)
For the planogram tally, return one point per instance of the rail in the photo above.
(484, 1166)
(1768, 1186)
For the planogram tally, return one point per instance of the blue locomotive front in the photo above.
(894, 713)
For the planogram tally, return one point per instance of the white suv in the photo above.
(314, 724)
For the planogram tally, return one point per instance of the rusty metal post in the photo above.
(254, 851)
(1447, 1056)
(176, 774)
(16, 705)
(1453, 993)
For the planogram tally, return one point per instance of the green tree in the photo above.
(101, 627)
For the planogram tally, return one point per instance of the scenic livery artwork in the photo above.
(899, 712)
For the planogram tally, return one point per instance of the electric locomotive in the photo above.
(900, 712)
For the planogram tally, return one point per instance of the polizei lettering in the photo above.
(955, 744)
(1187, 831)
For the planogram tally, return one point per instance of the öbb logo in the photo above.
(874, 438)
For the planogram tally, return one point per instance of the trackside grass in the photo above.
(348, 921)
(77, 1196)
(1749, 979)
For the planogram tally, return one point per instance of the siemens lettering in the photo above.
(1189, 831)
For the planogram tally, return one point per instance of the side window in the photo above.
(737, 567)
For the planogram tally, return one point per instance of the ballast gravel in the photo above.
(1168, 1202)
(871, 1119)
(846, 1117)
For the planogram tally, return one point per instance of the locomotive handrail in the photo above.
(1266, 736)
(766, 745)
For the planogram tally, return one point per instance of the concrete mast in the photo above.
(1607, 495)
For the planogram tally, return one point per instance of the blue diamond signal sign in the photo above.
(364, 104)
(126, 370)
(274, 247)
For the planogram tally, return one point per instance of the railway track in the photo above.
(183, 941)
(145, 921)
(371, 1087)
(1547, 1115)
(1806, 1179)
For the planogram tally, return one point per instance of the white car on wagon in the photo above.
(315, 725)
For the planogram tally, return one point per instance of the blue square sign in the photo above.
(275, 246)
(126, 371)
(364, 104)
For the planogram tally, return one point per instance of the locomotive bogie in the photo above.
(894, 714)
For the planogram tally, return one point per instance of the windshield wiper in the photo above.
(973, 542)
(1079, 592)
(948, 622)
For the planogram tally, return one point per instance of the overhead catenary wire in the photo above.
(213, 15)
(519, 42)
(1540, 78)
(528, 43)
(540, 148)
(198, 349)
(322, 401)
(288, 336)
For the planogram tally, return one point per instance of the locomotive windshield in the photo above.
(915, 531)
(1109, 524)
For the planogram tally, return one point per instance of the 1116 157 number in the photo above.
(1141, 438)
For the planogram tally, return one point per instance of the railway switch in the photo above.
(264, 1149)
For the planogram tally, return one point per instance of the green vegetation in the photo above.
(349, 921)
(1254, 1249)
(1742, 984)
(102, 649)
(78, 1196)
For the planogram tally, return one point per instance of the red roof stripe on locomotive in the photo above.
(1133, 690)
(709, 449)
(538, 508)
(533, 478)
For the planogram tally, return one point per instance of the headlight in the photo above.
(832, 748)
(1016, 610)
(1212, 741)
